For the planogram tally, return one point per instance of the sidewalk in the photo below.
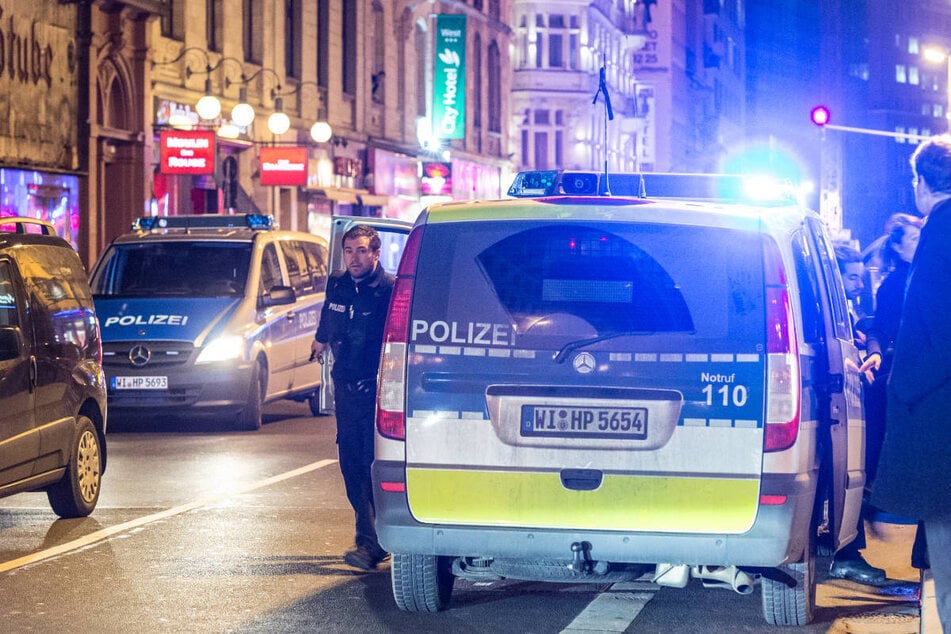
(893, 610)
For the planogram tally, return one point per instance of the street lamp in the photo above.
(938, 56)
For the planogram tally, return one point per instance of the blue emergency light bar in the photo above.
(720, 187)
(204, 221)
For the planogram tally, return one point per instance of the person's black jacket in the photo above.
(352, 322)
(914, 469)
(889, 299)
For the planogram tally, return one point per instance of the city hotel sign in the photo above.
(449, 93)
(188, 152)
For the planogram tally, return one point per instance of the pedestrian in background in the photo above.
(914, 469)
(901, 241)
(351, 323)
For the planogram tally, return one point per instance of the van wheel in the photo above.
(250, 418)
(422, 583)
(791, 606)
(76, 494)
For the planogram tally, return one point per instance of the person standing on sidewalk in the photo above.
(914, 470)
(351, 323)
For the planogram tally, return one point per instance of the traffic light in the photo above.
(820, 115)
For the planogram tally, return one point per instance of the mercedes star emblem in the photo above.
(140, 355)
(584, 363)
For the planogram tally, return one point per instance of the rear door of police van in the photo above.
(587, 374)
(393, 234)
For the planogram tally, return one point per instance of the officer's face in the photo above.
(358, 257)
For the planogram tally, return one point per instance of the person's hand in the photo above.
(316, 351)
(872, 362)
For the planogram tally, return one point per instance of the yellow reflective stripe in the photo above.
(632, 503)
(526, 210)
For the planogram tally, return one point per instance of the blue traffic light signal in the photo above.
(820, 115)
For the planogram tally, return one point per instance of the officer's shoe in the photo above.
(857, 570)
(364, 558)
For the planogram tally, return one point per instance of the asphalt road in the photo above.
(211, 531)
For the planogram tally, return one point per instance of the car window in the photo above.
(59, 299)
(8, 303)
(314, 265)
(557, 283)
(391, 247)
(808, 283)
(270, 269)
(186, 269)
(833, 279)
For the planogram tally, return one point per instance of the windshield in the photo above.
(184, 269)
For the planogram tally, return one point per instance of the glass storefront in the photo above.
(42, 195)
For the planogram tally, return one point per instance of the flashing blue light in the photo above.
(204, 221)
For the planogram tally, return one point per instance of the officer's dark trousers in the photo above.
(355, 404)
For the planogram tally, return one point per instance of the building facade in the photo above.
(362, 69)
(674, 69)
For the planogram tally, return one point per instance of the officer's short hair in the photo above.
(363, 231)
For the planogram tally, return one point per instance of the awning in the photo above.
(346, 196)
(374, 200)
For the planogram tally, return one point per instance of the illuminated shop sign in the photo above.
(284, 166)
(188, 152)
(449, 93)
(436, 179)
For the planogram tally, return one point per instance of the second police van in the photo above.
(580, 387)
(210, 315)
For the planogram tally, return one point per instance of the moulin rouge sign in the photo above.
(188, 152)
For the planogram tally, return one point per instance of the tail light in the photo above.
(391, 391)
(782, 358)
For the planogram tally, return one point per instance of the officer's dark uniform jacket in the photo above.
(352, 322)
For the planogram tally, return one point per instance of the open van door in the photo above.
(843, 428)
(393, 234)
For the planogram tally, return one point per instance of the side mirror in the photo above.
(10, 347)
(280, 295)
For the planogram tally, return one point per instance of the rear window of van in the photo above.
(553, 283)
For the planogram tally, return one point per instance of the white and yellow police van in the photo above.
(581, 387)
(209, 315)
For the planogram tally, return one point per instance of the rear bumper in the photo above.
(778, 535)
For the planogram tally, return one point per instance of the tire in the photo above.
(250, 418)
(421, 583)
(313, 400)
(77, 493)
(792, 606)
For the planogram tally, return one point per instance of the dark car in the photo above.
(52, 388)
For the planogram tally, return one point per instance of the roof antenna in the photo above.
(608, 115)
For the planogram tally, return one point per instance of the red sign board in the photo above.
(188, 152)
(284, 165)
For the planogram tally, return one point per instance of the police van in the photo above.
(209, 315)
(585, 387)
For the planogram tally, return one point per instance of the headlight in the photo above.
(222, 349)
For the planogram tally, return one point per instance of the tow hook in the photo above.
(580, 557)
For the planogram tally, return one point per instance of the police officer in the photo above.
(351, 323)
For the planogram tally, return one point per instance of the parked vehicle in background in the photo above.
(209, 316)
(52, 388)
(578, 387)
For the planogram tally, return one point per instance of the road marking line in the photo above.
(613, 611)
(148, 519)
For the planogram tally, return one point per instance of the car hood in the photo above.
(181, 319)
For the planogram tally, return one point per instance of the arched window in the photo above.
(422, 64)
(476, 82)
(495, 88)
(378, 85)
